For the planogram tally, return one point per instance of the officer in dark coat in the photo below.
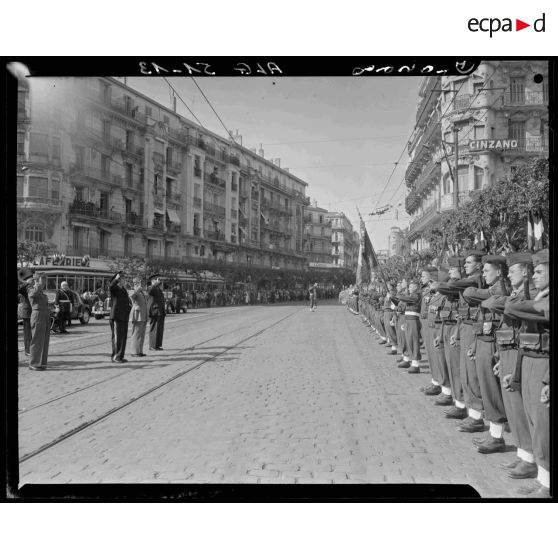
(63, 301)
(25, 275)
(156, 313)
(119, 315)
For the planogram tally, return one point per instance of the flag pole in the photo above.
(363, 226)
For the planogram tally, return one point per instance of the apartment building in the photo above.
(496, 119)
(317, 237)
(105, 171)
(344, 241)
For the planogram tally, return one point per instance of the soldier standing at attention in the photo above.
(425, 331)
(448, 335)
(25, 275)
(313, 290)
(507, 337)
(412, 324)
(40, 324)
(534, 367)
(483, 349)
(120, 307)
(156, 312)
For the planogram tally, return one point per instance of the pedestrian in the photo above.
(63, 304)
(313, 291)
(119, 315)
(40, 324)
(138, 317)
(25, 275)
(208, 299)
(156, 313)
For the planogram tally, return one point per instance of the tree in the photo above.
(500, 211)
(28, 251)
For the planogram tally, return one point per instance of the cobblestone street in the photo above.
(272, 394)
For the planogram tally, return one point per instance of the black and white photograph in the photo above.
(270, 278)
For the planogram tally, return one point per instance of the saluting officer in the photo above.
(120, 307)
(25, 275)
(156, 312)
(533, 365)
(138, 317)
(507, 337)
(483, 350)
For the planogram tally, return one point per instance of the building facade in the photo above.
(317, 237)
(344, 241)
(497, 117)
(105, 171)
(397, 242)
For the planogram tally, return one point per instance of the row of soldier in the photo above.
(484, 325)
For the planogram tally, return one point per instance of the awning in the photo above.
(173, 216)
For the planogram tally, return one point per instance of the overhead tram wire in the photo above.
(444, 113)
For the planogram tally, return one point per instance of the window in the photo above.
(517, 90)
(38, 144)
(479, 178)
(56, 148)
(128, 205)
(478, 89)
(103, 241)
(169, 156)
(129, 140)
(38, 187)
(129, 175)
(447, 184)
(516, 130)
(34, 233)
(463, 178)
(233, 203)
(202, 250)
(21, 143)
(105, 92)
(55, 190)
(128, 106)
(105, 166)
(166, 119)
(20, 186)
(156, 182)
(79, 157)
(106, 131)
(79, 193)
(148, 111)
(321, 221)
(478, 132)
(128, 244)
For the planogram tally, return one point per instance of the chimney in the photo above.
(261, 151)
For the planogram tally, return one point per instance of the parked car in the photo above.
(174, 304)
(79, 309)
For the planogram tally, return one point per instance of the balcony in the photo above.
(174, 228)
(39, 203)
(233, 159)
(428, 134)
(135, 220)
(429, 215)
(80, 208)
(536, 144)
(96, 174)
(127, 109)
(215, 209)
(447, 202)
(525, 98)
(174, 167)
(158, 224)
(430, 170)
(213, 235)
(214, 180)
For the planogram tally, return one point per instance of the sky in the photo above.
(342, 135)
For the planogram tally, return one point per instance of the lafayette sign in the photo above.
(476, 145)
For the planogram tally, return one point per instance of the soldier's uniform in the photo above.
(484, 348)
(452, 347)
(466, 336)
(119, 315)
(426, 334)
(534, 369)
(388, 316)
(507, 337)
(439, 366)
(412, 327)
(401, 341)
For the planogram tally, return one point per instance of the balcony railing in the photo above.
(89, 209)
(212, 208)
(174, 228)
(526, 98)
(212, 179)
(135, 219)
(127, 109)
(158, 225)
(97, 174)
(93, 251)
(429, 213)
(31, 201)
(213, 235)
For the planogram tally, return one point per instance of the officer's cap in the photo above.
(114, 276)
(155, 276)
(494, 259)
